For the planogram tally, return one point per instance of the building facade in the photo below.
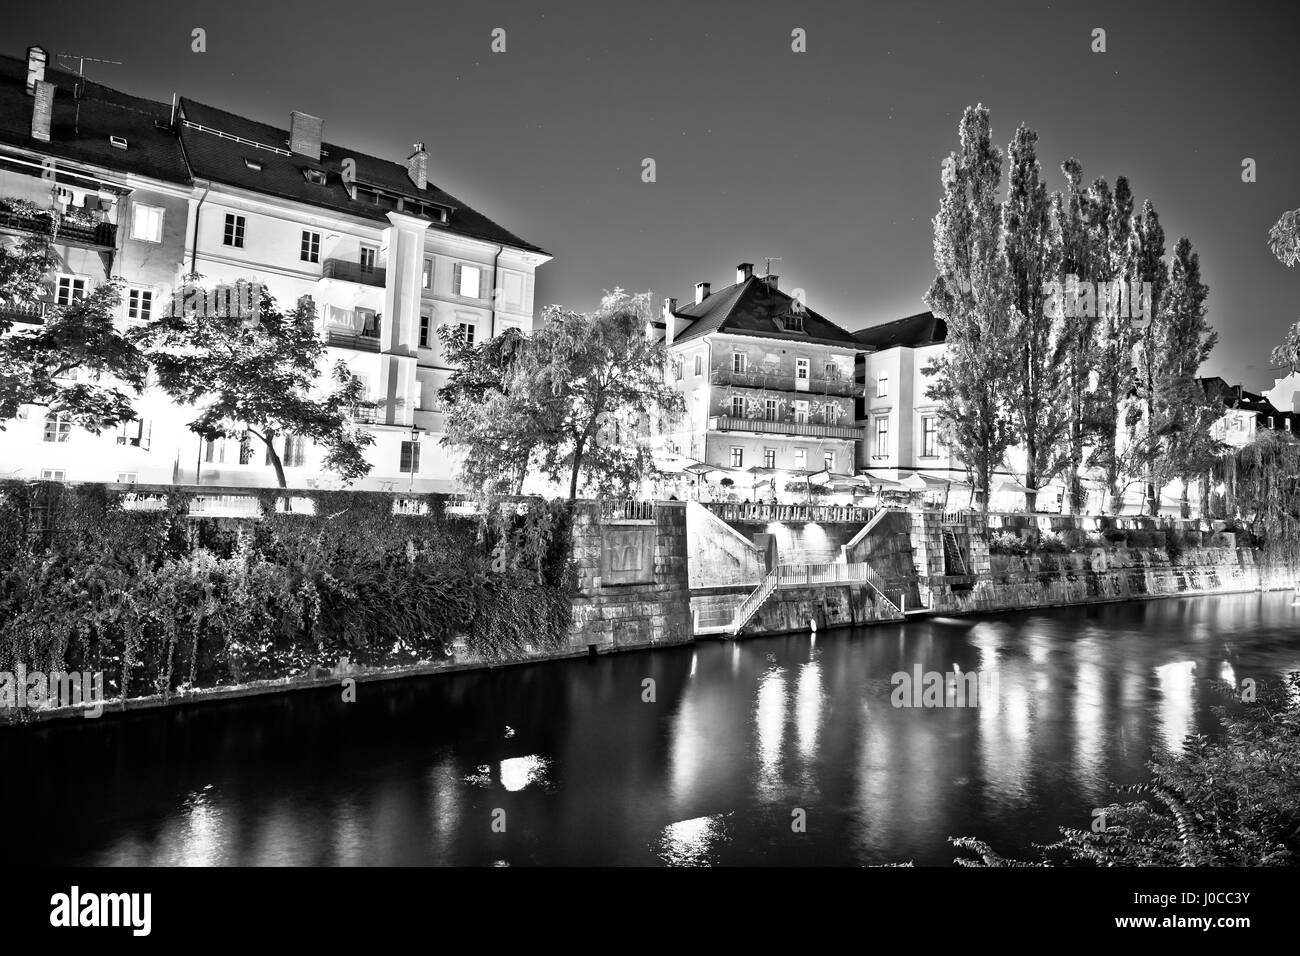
(385, 256)
(767, 383)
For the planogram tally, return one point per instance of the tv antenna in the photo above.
(81, 80)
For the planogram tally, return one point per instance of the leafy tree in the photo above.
(76, 361)
(974, 294)
(1032, 247)
(496, 422)
(1147, 257)
(261, 377)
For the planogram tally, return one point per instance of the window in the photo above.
(214, 451)
(737, 407)
(146, 223)
(769, 409)
(737, 457)
(882, 385)
(426, 277)
(801, 412)
(58, 426)
(738, 361)
(234, 234)
(127, 477)
(677, 369)
(801, 373)
(801, 458)
(410, 463)
(430, 396)
(53, 474)
(769, 457)
(831, 371)
(310, 251)
(139, 304)
(424, 331)
(135, 433)
(369, 254)
(828, 460)
(245, 450)
(316, 176)
(512, 291)
(295, 451)
(882, 437)
(466, 281)
(70, 289)
(699, 364)
(929, 436)
(467, 330)
(369, 323)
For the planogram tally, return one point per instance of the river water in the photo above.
(567, 762)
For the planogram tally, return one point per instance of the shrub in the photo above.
(1007, 542)
(1139, 538)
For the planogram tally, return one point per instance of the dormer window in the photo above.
(253, 164)
(117, 142)
(790, 321)
(315, 176)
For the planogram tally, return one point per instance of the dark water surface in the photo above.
(739, 737)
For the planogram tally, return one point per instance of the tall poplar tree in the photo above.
(972, 292)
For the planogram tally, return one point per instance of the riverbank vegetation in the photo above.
(1228, 800)
(166, 604)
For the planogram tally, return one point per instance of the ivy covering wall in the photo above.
(161, 602)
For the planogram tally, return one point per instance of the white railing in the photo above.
(749, 607)
(811, 575)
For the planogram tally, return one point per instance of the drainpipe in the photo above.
(496, 263)
(194, 250)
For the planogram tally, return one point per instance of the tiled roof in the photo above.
(83, 138)
(753, 308)
(222, 160)
(924, 328)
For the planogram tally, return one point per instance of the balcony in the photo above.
(92, 235)
(346, 271)
(764, 426)
(358, 341)
(785, 382)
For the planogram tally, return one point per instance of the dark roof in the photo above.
(222, 160)
(924, 328)
(105, 112)
(1235, 396)
(753, 308)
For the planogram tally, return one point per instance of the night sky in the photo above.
(828, 159)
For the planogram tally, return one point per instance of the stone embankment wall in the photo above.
(633, 577)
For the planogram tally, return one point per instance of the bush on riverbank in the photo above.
(1233, 800)
(172, 602)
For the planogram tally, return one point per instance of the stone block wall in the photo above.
(793, 609)
(655, 609)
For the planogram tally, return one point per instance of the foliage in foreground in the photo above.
(163, 604)
(1232, 800)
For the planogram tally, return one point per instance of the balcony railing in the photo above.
(30, 312)
(360, 341)
(765, 513)
(347, 271)
(786, 382)
(763, 426)
(100, 235)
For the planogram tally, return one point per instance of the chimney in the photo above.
(417, 167)
(670, 306)
(771, 281)
(701, 292)
(305, 134)
(36, 60)
(744, 271)
(42, 111)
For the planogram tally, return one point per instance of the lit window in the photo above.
(295, 451)
(234, 233)
(801, 412)
(801, 370)
(53, 474)
(467, 330)
(139, 304)
(699, 364)
(769, 409)
(738, 361)
(410, 463)
(828, 460)
(134, 433)
(127, 477)
(882, 385)
(769, 457)
(467, 281)
(426, 277)
(310, 251)
(369, 255)
(146, 223)
(58, 426)
(801, 458)
(737, 457)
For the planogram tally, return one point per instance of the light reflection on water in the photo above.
(739, 736)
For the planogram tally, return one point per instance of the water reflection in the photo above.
(588, 772)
